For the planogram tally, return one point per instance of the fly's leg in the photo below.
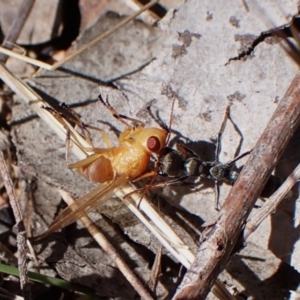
(162, 124)
(170, 122)
(118, 116)
(73, 118)
(71, 132)
(77, 120)
(96, 151)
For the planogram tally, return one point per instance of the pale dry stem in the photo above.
(269, 206)
(109, 250)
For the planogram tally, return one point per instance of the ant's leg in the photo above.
(218, 150)
(217, 153)
(184, 150)
(227, 116)
(104, 135)
(170, 182)
(221, 131)
(175, 181)
(145, 175)
(156, 185)
(238, 149)
(118, 116)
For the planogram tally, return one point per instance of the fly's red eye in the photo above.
(153, 144)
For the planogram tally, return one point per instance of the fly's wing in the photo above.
(75, 211)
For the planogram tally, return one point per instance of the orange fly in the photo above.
(112, 166)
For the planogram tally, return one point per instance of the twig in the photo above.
(81, 49)
(105, 34)
(110, 251)
(17, 26)
(156, 270)
(221, 234)
(270, 205)
(21, 234)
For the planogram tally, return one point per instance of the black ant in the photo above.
(184, 163)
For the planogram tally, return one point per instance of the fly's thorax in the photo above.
(130, 159)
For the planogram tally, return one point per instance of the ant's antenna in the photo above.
(170, 121)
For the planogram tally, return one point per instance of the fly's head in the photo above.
(153, 140)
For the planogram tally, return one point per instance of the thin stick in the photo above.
(27, 59)
(221, 234)
(17, 25)
(21, 234)
(110, 251)
(270, 205)
(83, 48)
(156, 269)
(105, 34)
